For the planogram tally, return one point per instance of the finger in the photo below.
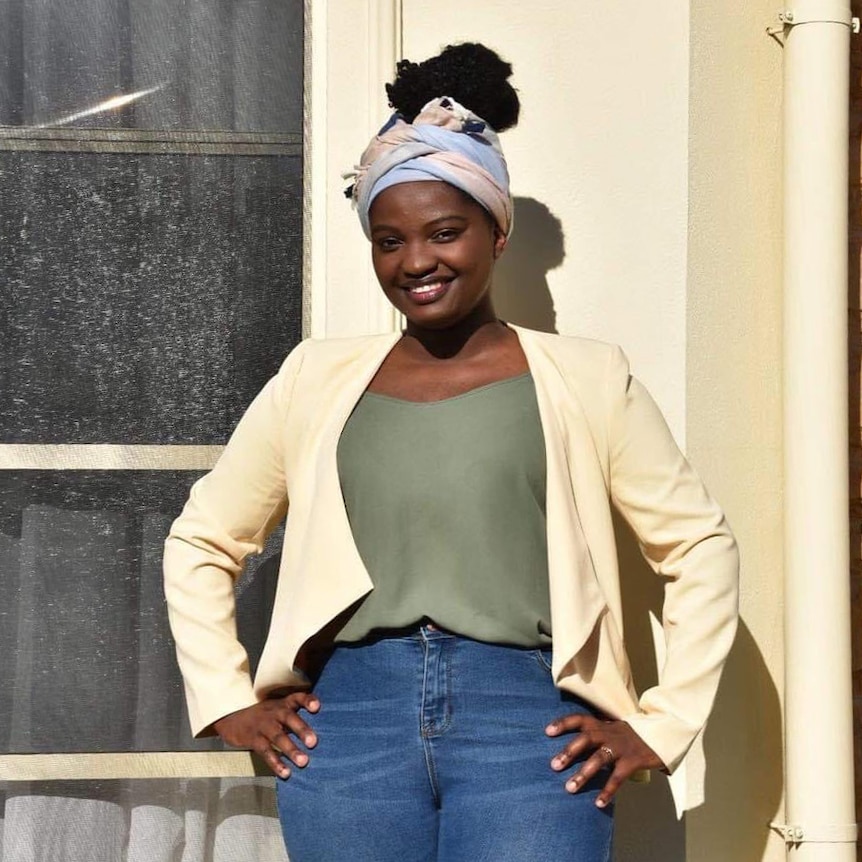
(587, 739)
(289, 749)
(572, 752)
(612, 785)
(289, 719)
(270, 757)
(588, 770)
(303, 700)
(569, 723)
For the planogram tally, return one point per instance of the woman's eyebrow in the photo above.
(395, 228)
(446, 218)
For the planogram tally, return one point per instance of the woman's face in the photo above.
(434, 250)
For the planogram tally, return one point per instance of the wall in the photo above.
(646, 174)
(733, 401)
(354, 47)
(602, 145)
(599, 169)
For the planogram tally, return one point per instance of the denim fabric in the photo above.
(432, 747)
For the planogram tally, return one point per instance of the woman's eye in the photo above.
(387, 243)
(445, 235)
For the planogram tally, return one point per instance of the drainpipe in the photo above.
(820, 807)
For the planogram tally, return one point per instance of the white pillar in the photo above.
(819, 728)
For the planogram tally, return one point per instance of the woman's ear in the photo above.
(500, 240)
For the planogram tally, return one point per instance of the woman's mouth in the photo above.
(427, 292)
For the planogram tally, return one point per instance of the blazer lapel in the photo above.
(577, 599)
(328, 573)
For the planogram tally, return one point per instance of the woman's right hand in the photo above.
(265, 727)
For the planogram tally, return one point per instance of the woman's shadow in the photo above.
(745, 727)
(734, 780)
(521, 293)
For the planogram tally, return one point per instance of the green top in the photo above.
(446, 502)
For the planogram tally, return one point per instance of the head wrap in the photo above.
(444, 142)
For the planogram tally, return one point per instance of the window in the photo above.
(151, 179)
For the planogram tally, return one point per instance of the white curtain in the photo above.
(194, 820)
(93, 670)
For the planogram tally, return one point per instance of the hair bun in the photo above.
(470, 73)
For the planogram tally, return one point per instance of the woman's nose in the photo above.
(418, 260)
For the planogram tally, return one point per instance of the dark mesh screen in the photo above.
(145, 298)
(88, 658)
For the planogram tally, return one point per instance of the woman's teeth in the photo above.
(426, 288)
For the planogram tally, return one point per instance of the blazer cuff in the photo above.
(204, 712)
(667, 736)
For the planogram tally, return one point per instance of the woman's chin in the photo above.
(435, 314)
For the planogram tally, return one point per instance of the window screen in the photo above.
(150, 271)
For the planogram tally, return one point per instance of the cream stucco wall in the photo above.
(646, 174)
(733, 401)
(602, 145)
(354, 45)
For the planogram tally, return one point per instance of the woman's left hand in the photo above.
(614, 745)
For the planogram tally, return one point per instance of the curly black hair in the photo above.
(470, 73)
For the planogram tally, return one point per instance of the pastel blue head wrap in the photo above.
(445, 142)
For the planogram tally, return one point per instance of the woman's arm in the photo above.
(229, 513)
(686, 540)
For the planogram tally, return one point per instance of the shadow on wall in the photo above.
(647, 829)
(745, 727)
(521, 293)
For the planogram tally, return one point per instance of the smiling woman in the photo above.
(445, 676)
(433, 251)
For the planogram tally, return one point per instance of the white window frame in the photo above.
(351, 47)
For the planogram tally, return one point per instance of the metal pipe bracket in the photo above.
(817, 833)
(817, 12)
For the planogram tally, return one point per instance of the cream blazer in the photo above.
(606, 444)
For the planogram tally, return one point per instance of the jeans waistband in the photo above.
(421, 631)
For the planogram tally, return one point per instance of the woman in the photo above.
(447, 624)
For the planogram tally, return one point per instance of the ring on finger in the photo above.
(608, 754)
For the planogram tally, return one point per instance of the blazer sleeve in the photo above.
(229, 513)
(686, 540)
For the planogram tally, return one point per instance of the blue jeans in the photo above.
(432, 747)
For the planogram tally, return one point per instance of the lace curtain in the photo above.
(148, 291)
(194, 820)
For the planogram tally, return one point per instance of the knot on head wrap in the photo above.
(445, 142)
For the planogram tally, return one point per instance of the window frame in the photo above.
(330, 299)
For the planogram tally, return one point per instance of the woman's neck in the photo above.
(465, 340)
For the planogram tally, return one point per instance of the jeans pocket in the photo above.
(544, 657)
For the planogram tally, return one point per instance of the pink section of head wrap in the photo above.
(445, 142)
